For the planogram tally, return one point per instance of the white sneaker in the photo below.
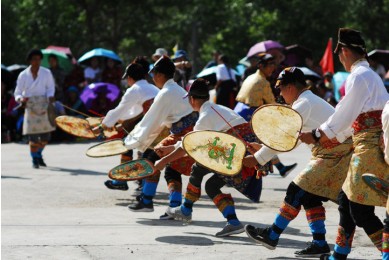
(177, 214)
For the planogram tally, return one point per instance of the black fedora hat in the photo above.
(350, 38)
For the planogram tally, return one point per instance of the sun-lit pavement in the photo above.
(64, 211)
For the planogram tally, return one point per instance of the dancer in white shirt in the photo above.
(35, 89)
(133, 105)
(328, 167)
(360, 108)
(168, 110)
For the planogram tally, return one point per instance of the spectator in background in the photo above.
(328, 80)
(101, 104)
(75, 77)
(92, 73)
(309, 62)
(72, 100)
(253, 60)
(279, 58)
(325, 93)
(112, 73)
(183, 68)
(213, 62)
(59, 75)
(278, 55)
(377, 67)
(158, 54)
(225, 83)
(8, 121)
(255, 90)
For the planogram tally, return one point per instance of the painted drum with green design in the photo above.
(220, 152)
(133, 170)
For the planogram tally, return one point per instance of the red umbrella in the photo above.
(264, 47)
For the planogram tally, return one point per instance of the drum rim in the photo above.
(102, 156)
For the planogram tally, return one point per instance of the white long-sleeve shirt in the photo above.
(26, 86)
(132, 101)
(314, 111)
(365, 92)
(210, 120)
(169, 107)
(385, 127)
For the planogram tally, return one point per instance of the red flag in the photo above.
(327, 62)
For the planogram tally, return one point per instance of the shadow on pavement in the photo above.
(14, 177)
(75, 171)
(186, 240)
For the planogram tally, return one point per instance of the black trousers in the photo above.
(213, 184)
(295, 196)
(354, 214)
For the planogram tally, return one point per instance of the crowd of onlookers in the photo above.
(70, 85)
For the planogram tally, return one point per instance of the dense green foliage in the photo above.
(134, 27)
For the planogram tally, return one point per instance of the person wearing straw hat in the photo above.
(320, 181)
(168, 110)
(217, 118)
(361, 108)
(134, 104)
(35, 89)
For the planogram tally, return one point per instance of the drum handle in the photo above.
(65, 106)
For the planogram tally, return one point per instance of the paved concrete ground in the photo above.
(65, 212)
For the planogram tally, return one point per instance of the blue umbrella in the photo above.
(99, 52)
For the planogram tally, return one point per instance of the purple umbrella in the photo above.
(91, 92)
(264, 47)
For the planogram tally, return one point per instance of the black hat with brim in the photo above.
(350, 38)
(291, 75)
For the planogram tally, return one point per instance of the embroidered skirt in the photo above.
(325, 173)
(367, 158)
(36, 120)
(246, 181)
(178, 130)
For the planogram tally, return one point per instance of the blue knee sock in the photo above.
(281, 223)
(230, 215)
(149, 190)
(175, 199)
(318, 231)
(34, 155)
(39, 152)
